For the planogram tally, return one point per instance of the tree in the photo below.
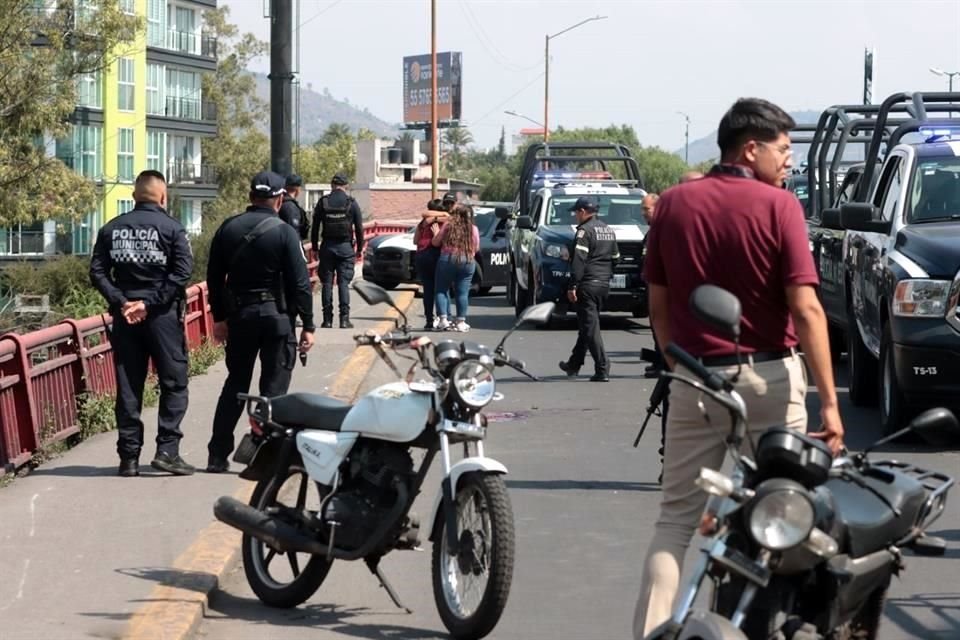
(502, 145)
(365, 134)
(334, 132)
(457, 137)
(42, 53)
(660, 169)
(318, 162)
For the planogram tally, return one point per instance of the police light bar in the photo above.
(932, 134)
(572, 175)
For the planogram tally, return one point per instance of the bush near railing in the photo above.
(43, 373)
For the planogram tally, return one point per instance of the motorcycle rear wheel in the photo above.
(291, 585)
(471, 587)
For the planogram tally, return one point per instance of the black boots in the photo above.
(327, 322)
(345, 322)
(172, 464)
(129, 468)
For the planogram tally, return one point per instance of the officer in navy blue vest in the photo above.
(338, 222)
(258, 283)
(141, 264)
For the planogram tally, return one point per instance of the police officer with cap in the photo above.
(594, 256)
(338, 221)
(258, 283)
(141, 264)
(290, 211)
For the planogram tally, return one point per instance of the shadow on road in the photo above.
(324, 616)
(943, 606)
(582, 485)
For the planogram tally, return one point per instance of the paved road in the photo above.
(584, 502)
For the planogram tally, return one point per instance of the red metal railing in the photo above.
(43, 372)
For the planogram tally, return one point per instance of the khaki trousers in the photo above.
(774, 393)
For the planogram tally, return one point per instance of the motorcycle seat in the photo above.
(868, 524)
(309, 411)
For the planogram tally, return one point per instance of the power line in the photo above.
(511, 97)
(488, 43)
(318, 14)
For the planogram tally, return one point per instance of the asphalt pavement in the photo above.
(584, 503)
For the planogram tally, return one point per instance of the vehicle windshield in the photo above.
(614, 210)
(935, 192)
(485, 221)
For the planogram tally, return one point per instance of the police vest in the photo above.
(337, 221)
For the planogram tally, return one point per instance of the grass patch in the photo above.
(204, 356)
(95, 413)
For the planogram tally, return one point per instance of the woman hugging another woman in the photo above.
(459, 241)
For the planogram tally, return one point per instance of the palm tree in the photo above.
(457, 137)
(336, 131)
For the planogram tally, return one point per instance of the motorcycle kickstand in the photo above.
(374, 566)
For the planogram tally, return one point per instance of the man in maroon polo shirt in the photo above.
(736, 228)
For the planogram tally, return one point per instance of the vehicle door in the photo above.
(493, 248)
(523, 243)
(866, 251)
(829, 256)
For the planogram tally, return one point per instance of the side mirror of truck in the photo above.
(862, 216)
(502, 213)
(830, 219)
(524, 222)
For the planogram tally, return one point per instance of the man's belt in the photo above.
(254, 297)
(759, 356)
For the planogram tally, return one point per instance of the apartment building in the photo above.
(145, 110)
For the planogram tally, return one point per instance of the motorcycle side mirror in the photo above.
(717, 307)
(537, 314)
(938, 426)
(374, 294)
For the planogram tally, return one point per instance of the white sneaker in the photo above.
(461, 326)
(436, 323)
(443, 324)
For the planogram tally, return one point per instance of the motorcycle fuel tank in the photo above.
(391, 412)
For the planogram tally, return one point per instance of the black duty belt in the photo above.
(759, 356)
(254, 297)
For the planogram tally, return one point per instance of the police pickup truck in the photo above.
(542, 237)
(896, 269)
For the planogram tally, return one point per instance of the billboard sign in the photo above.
(417, 87)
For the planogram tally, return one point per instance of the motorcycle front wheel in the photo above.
(284, 580)
(471, 587)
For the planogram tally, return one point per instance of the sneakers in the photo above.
(571, 371)
(460, 326)
(175, 465)
(443, 324)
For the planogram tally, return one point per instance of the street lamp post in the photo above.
(520, 115)
(686, 138)
(546, 73)
(949, 74)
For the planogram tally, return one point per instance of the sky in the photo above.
(647, 60)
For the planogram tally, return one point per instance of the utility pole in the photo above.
(434, 146)
(281, 76)
(686, 139)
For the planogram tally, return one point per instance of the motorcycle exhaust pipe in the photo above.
(275, 533)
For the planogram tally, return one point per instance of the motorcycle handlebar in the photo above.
(366, 339)
(712, 380)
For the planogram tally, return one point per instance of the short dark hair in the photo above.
(148, 175)
(751, 118)
(435, 205)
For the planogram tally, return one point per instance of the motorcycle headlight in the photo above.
(557, 251)
(473, 383)
(782, 516)
(921, 298)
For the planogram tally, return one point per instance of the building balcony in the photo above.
(189, 109)
(188, 42)
(190, 173)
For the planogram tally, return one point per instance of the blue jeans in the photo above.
(456, 271)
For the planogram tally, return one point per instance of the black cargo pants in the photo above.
(591, 296)
(336, 258)
(159, 337)
(257, 329)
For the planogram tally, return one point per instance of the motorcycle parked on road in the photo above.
(800, 546)
(353, 464)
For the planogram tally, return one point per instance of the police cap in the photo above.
(585, 202)
(266, 185)
(449, 197)
(294, 181)
(339, 179)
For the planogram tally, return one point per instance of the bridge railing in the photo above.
(43, 372)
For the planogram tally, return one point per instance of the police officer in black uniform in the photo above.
(338, 221)
(258, 283)
(290, 211)
(141, 264)
(594, 256)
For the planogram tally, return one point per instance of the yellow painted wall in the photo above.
(114, 119)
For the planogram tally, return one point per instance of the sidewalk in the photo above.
(82, 550)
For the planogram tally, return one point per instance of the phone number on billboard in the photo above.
(419, 97)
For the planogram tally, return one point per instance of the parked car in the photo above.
(388, 260)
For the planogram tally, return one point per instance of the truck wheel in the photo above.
(512, 288)
(894, 410)
(862, 369)
(838, 343)
(520, 298)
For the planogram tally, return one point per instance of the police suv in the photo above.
(895, 273)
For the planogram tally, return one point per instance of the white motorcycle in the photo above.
(337, 481)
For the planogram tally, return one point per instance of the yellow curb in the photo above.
(175, 608)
